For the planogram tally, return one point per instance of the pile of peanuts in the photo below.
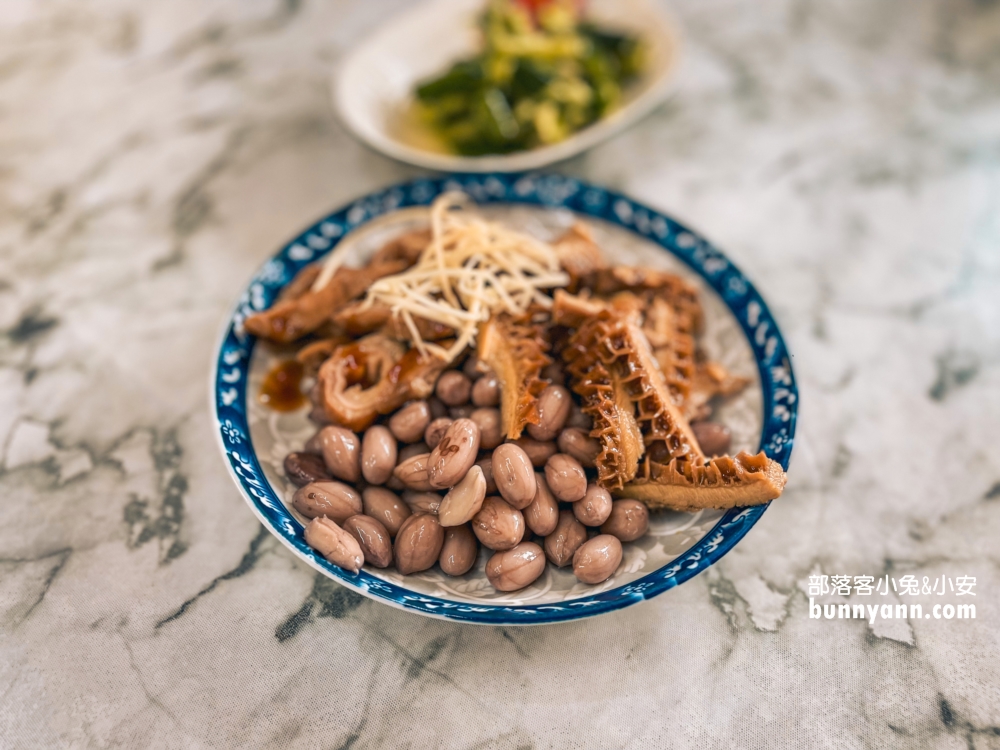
(455, 481)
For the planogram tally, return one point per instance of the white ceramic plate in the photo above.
(374, 85)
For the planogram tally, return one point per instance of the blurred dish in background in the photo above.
(544, 73)
(505, 85)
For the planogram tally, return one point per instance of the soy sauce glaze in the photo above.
(282, 390)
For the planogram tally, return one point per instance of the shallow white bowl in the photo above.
(374, 85)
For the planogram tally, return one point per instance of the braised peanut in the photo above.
(537, 452)
(628, 521)
(461, 412)
(418, 543)
(713, 438)
(543, 513)
(516, 568)
(578, 419)
(459, 551)
(486, 390)
(378, 454)
(497, 525)
(471, 367)
(513, 475)
(438, 409)
(463, 500)
(565, 477)
(490, 430)
(385, 507)
(553, 409)
(373, 538)
(597, 559)
(314, 444)
(554, 372)
(436, 430)
(565, 540)
(413, 473)
(332, 499)
(411, 450)
(335, 544)
(318, 415)
(486, 464)
(454, 455)
(422, 502)
(408, 424)
(341, 453)
(578, 443)
(303, 468)
(453, 388)
(594, 507)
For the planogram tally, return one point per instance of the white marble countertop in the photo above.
(845, 154)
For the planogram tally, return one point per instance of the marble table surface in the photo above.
(845, 154)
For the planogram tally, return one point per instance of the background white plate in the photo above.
(374, 85)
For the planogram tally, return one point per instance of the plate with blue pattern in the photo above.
(740, 333)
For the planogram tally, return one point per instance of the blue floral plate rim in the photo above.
(235, 349)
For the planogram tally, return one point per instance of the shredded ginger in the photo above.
(471, 270)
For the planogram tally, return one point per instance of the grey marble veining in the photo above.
(846, 154)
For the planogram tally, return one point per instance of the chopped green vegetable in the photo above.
(542, 75)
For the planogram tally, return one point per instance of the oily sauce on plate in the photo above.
(282, 389)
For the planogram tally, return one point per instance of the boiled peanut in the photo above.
(562, 543)
(565, 477)
(385, 507)
(413, 472)
(513, 475)
(594, 507)
(332, 499)
(411, 450)
(373, 538)
(408, 424)
(554, 372)
(436, 430)
(597, 559)
(463, 500)
(454, 455)
(543, 513)
(471, 367)
(486, 464)
(486, 390)
(516, 568)
(580, 445)
(303, 468)
(490, 430)
(438, 409)
(378, 454)
(335, 544)
(628, 521)
(459, 551)
(418, 543)
(453, 388)
(713, 438)
(497, 525)
(538, 452)
(341, 453)
(578, 419)
(422, 502)
(553, 410)
(314, 444)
